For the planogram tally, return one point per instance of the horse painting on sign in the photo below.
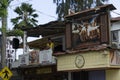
(87, 31)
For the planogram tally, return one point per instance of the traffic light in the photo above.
(15, 43)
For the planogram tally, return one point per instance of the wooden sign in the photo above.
(88, 31)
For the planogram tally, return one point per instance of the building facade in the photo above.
(89, 54)
(85, 51)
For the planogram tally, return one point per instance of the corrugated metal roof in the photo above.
(51, 28)
(41, 43)
(115, 19)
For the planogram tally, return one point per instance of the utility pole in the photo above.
(3, 54)
(4, 5)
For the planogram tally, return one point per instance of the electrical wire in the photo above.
(19, 3)
(36, 10)
(42, 13)
(115, 12)
(46, 14)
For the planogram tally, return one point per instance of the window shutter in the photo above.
(104, 21)
(68, 35)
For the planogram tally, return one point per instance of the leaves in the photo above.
(76, 5)
(18, 11)
(3, 7)
(34, 15)
(26, 16)
(15, 32)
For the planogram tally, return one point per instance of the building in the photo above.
(39, 64)
(115, 32)
(84, 49)
(89, 54)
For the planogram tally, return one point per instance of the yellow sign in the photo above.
(5, 73)
(44, 70)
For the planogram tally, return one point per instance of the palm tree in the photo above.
(26, 17)
(76, 5)
(3, 16)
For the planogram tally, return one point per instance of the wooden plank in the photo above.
(68, 35)
(104, 28)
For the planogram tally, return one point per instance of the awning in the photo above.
(51, 28)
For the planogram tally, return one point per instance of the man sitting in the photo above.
(50, 44)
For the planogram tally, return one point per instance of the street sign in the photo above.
(5, 73)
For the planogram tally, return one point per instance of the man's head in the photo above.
(49, 40)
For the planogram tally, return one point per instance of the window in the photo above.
(97, 75)
(114, 36)
(82, 75)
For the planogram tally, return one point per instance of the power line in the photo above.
(36, 10)
(19, 3)
(46, 14)
(116, 13)
(43, 14)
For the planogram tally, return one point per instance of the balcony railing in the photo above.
(36, 57)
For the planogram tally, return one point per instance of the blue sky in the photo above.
(116, 3)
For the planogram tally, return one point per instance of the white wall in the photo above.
(115, 26)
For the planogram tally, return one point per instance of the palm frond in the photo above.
(18, 11)
(26, 16)
(16, 20)
(34, 15)
(15, 32)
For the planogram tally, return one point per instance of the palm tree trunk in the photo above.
(3, 54)
(4, 5)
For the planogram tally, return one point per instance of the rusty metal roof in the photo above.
(51, 28)
(115, 19)
(41, 43)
